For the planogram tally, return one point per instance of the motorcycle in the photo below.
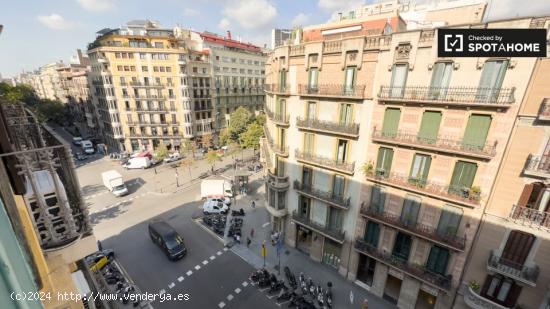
(328, 295)
(276, 287)
(320, 296)
(285, 296)
(311, 286)
(236, 213)
(303, 283)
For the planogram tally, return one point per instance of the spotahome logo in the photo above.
(491, 43)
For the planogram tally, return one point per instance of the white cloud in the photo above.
(56, 22)
(339, 5)
(251, 14)
(97, 5)
(190, 12)
(224, 24)
(499, 9)
(301, 20)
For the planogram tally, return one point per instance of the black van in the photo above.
(167, 239)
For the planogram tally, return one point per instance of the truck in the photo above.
(216, 188)
(114, 182)
(138, 162)
(87, 147)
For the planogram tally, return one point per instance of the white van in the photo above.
(87, 147)
(114, 182)
(138, 162)
(214, 207)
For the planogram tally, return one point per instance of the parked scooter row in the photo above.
(308, 295)
(216, 222)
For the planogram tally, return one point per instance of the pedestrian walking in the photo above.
(252, 233)
(248, 241)
(365, 304)
(253, 205)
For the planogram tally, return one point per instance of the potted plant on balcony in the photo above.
(367, 168)
(474, 286)
(475, 193)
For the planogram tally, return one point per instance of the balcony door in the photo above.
(391, 122)
(535, 196)
(398, 80)
(419, 169)
(349, 82)
(476, 132)
(437, 260)
(280, 108)
(429, 127)
(402, 247)
(304, 208)
(338, 186)
(346, 114)
(309, 143)
(311, 111)
(411, 208)
(342, 151)
(491, 80)
(377, 199)
(501, 290)
(280, 167)
(463, 178)
(312, 81)
(282, 138)
(449, 221)
(517, 249)
(384, 161)
(282, 80)
(335, 219)
(372, 234)
(307, 176)
(441, 77)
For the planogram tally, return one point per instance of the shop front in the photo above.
(331, 253)
(303, 238)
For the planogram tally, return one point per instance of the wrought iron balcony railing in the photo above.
(456, 194)
(439, 144)
(152, 97)
(281, 150)
(277, 117)
(277, 88)
(152, 123)
(530, 216)
(420, 272)
(334, 233)
(53, 196)
(338, 200)
(152, 110)
(349, 129)
(143, 84)
(325, 162)
(467, 96)
(265, 151)
(447, 239)
(537, 165)
(526, 274)
(476, 301)
(332, 90)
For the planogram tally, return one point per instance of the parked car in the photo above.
(79, 156)
(87, 147)
(77, 140)
(166, 237)
(225, 200)
(214, 207)
(173, 157)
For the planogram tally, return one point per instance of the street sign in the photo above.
(279, 245)
(351, 296)
(264, 250)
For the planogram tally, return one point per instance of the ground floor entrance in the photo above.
(425, 300)
(365, 269)
(392, 289)
(331, 253)
(303, 238)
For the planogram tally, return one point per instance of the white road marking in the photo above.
(225, 249)
(229, 297)
(266, 224)
(212, 257)
(189, 273)
(221, 305)
(180, 279)
(219, 253)
(237, 290)
(161, 292)
(172, 285)
(204, 262)
(197, 267)
(245, 283)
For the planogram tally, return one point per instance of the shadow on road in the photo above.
(92, 189)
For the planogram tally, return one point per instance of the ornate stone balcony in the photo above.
(544, 111)
(331, 127)
(476, 301)
(335, 234)
(419, 272)
(146, 85)
(332, 91)
(152, 110)
(537, 166)
(328, 163)
(281, 89)
(456, 96)
(438, 144)
(278, 118)
(459, 195)
(276, 182)
(530, 217)
(275, 147)
(451, 240)
(522, 273)
(337, 200)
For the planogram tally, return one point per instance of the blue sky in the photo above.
(37, 32)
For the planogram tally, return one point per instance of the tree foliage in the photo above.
(260, 119)
(224, 137)
(212, 157)
(238, 121)
(251, 137)
(161, 152)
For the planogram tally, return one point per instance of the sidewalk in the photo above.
(258, 219)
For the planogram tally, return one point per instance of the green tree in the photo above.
(238, 121)
(49, 110)
(260, 119)
(189, 146)
(188, 163)
(211, 158)
(251, 137)
(224, 137)
(161, 152)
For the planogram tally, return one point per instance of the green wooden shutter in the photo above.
(372, 234)
(378, 198)
(438, 259)
(411, 208)
(429, 128)
(449, 221)
(463, 177)
(391, 121)
(476, 132)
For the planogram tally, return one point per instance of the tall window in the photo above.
(384, 161)
(342, 151)
(398, 80)
(280, 109)
(463, 178)
(402, 247)
(372, 234)
(349, 83)
(441, 77)
(280, 166)
(282, 80)
(429, 127)
(312, 81)
(346, 113)
(437, 260)
(411, 208)
(335, 218)
(517, 249)
(419, 169)
(391, 122)
(449, 221)
(307, 176)
(491, 80)
(377, 199)
(476, 132)
(338, 186)
(308, 143)
(311, 110)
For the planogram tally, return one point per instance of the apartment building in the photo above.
(509, 264)
(238, 74)
(45, 225)
(279, 37)
(318, 100)
(46, 81)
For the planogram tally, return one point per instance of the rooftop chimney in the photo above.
(229, 34)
